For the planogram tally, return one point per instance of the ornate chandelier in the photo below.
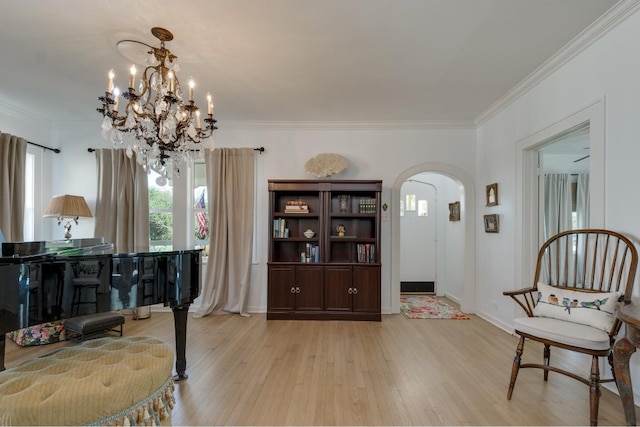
(156, 123)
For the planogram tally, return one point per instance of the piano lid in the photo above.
(56, 247)
(36, 289)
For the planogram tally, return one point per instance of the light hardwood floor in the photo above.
(250, 371)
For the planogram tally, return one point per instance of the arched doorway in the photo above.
(467, 207)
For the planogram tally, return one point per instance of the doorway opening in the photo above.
(424, 192)
(589, 123)
(564, 182)
(430, 242)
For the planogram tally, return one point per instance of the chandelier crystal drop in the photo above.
(156, 122)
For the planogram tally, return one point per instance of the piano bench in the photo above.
(90, 325)
(106, 381)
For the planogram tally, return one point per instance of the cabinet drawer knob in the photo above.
(297, 290)
(350, 291)
(293, 290)
(355, 291)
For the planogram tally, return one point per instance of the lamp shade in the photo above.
(67, 206)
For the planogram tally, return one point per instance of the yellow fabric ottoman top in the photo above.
(106, 381)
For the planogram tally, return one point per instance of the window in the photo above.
(32, 229)
(200, 212)
(179, 211)
(160, 214)
(29, 199)
(165, 218)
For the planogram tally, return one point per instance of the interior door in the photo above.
(418, 235)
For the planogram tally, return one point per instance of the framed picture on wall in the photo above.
(454, 211)
(492, 194)
(491, 223)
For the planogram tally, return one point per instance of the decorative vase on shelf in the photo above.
(343, 203)
(309, 233)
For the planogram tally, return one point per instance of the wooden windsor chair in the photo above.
(581, 277)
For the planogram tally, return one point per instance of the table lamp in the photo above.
(67, 208)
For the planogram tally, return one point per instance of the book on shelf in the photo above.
(367, 205)
(311, 253)
(295, 206)
(280, 229)
(296, 210)
(366, 253)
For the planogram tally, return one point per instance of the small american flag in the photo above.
(201, 216)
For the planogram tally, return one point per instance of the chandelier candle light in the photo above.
(156, 123)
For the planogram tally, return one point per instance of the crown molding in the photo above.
(20, 114)
(601, 26)
(355, 125)
(71, 125)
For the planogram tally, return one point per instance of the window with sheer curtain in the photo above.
(165, 220)
(161, 218)
(566, 204)
(29, 198)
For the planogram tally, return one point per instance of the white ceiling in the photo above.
(291, 60)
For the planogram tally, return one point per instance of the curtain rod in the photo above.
(91, 150)
(55, 150)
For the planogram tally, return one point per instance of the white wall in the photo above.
(37, 130)
(21, 123)
(74, 172)
(454, 241)
(607, 69)
(372, 154)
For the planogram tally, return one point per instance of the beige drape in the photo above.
(122, 204)
(230, 185)
(13, 155)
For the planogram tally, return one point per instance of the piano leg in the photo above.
(2, 341)
(180, 313)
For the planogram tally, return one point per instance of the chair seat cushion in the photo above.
(563, 332)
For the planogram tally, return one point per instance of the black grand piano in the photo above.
(47, 281)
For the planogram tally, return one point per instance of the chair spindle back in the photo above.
(591, 260)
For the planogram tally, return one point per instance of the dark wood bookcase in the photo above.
(335, 273)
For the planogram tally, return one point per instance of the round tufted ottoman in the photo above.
(107, 381)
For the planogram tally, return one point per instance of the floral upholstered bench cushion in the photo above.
(106, 381)
(45, 333)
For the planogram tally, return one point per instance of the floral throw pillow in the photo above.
(595, 309)
(45, 333)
